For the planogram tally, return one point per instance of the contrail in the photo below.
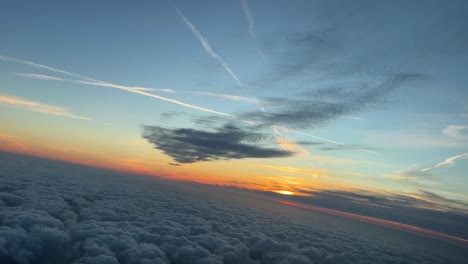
(40, 66)
(332, 141)
(230, 97)
(249, 17)
(208, 48)
(136, 90)
(90, 81)
(140, 90)
(251, 21)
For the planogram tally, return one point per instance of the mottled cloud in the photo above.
(54, 212)
(9, 100)
(186, 145)
(316, 111)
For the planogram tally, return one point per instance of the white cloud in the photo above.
(447, 162)
(456, 132)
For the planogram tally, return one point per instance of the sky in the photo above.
(346, 97)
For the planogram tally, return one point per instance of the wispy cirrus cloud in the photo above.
(447, 162)
(10, 100)
(208, 47)
(38, 76)
(347, 146)
(250, 19)
(428, 172)
(456, 132)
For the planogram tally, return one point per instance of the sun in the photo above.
(285, 192)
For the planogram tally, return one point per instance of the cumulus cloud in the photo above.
(62, 213)
(187, 145)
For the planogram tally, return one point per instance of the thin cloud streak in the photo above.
(332, 141)
(44, 67)
(37, 76)
(38, 107)
(385, 223)
(248, 15)
(251, 21)
(447, 162)
(208, 48)
(230, 97)
(138, 90)
(88, 81)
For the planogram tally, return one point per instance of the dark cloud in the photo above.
(74, 214)
(423, 209)
(347, 58)
(208, 121)
(328, 104)
(167, 116)
(455, 204)
(187, 145)
(308, 143)
(416, 174)
(347, 147)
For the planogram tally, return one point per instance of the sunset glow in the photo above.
(354, 109)
(285, 192)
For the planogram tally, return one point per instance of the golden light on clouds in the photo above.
(284, 192)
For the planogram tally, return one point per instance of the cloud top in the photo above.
(54, 212)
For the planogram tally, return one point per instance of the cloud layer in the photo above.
(187, 145)
(53, 212)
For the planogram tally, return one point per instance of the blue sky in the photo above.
(379, 87)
